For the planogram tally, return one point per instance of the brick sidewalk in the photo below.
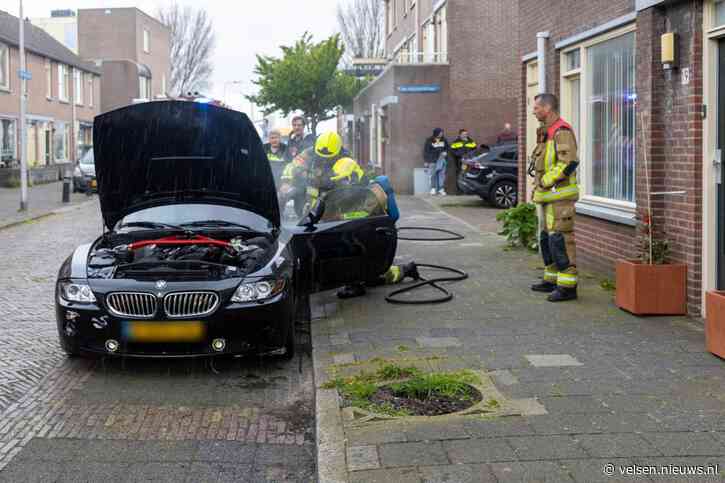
(43, 199)
(615, 389)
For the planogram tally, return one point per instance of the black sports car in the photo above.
(193, 260)
(493, 176)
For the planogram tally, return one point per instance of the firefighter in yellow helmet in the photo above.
(554, 163)
(330, 167)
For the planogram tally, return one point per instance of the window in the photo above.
(146, 41)
(90, 90)
(389, 17)
(598, 94)
(144, 87)
(8, 141)
(720, 13)
(4, 67)
(610, 95)
(63, 84)
(395, 13)
(440, 33)
(60, 141)
(78, 82)
(48, 79)
(163, 85)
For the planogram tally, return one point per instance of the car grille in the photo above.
(190, 304)
(132, 304)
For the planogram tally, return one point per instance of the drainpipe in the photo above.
(541, 38)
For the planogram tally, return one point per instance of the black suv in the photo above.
(492, 175)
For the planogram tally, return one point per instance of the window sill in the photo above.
(622, 216)
(49, 99)
(63, 101)
(5, 90)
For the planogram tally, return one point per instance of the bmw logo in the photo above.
(160, 284)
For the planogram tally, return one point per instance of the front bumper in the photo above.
(246, 328)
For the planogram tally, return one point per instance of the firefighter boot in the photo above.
(544, 286)
(351, 291)
(562, 294)
(410, 270)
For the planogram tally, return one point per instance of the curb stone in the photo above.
(45, 214)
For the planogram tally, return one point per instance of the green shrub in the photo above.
(520, 226)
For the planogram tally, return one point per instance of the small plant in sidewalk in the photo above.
(520, 226)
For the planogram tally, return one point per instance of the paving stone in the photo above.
(457, 474)
(574, 404)
(504, 377)
(616, 445)
(340, 338)
(593, 470)
(435, 431)
(539, 471)
(375, 434)
(343, 358)
(479, 451)
(493, 428)
(362, 458)
(407, 454)
(438, 342)
(552, 360)
(397, 475)
(685, 444)
(546, 447)
(226, 451)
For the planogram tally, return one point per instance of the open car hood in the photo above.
(170, 152)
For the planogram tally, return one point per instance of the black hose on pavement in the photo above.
(433, 282)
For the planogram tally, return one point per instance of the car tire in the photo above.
(504, 194)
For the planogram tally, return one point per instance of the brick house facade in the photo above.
(63, 98)
(664, 105)
(464, 54)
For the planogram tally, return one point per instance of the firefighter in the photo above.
(554, 163)
(330, 168)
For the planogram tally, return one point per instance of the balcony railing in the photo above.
(421, 58)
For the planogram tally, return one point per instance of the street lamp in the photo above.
(23, 74)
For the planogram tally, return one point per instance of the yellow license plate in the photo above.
(93, 183)
(180, 331)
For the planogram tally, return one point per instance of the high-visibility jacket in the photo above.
(555, 150)
(462, 147)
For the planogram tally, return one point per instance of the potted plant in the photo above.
(649, 285)
(715, 322)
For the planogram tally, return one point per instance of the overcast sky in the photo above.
(243, 28)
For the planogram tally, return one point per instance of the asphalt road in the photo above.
(78, 420)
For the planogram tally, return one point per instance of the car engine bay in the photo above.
(178, 257)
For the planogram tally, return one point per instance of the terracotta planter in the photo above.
(644, 289)
(715, 323)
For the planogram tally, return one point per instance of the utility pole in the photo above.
(23, 100)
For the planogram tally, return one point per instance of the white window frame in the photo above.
(144, 87)
(63, 88)
(48, 79)
(625, 207)
(146, 41)
(90, 90)
(78, 87)
(6, 67)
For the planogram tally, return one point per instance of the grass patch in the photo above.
(423, 386)
(608, 285)
(403, 348)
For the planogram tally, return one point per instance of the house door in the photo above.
(721, 174)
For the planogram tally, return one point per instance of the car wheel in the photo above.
(504, 194)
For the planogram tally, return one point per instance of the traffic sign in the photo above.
(24, 74)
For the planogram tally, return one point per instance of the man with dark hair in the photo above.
(553, 165)
(435, 151)
(298, 141)
(461, 147)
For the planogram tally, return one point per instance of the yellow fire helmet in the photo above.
(328, 144)
(346, 169)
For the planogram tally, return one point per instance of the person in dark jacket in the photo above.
(298, 141)
(435, 154)
(462, 147)
(507, 136)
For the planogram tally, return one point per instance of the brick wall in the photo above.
(672, 123)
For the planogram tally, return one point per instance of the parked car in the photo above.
(193, 260)
(493, 175)
(84, 175)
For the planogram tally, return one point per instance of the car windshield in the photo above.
(87, 159)
(196, 214)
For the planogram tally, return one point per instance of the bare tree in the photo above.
(192, 45)
(361, 25)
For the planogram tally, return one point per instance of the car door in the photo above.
(336, 251)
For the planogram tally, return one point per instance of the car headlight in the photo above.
(257, 291)
(77, 292)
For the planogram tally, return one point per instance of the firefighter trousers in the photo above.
(558, 247)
